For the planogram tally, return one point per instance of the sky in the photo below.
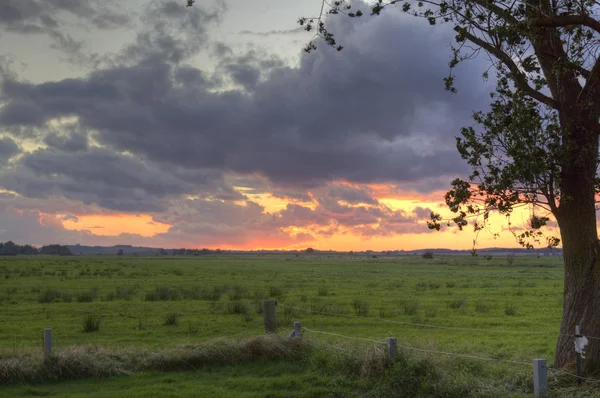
(145, 122)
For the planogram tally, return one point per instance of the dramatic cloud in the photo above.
(53, 18)
(148, 130)
(8, 149)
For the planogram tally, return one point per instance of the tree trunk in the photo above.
(576, 217)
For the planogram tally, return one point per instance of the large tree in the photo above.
(537, 146)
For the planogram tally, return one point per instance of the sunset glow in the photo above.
(228, 140)
(116, 224)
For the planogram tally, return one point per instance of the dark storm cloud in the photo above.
(112, 180)
(8, 149)
(171, 32)
(39, 16)
(69, 143)
(375, 112)
(48, 17)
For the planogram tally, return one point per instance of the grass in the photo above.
(221, 297)
(261, 366)
(91, 323)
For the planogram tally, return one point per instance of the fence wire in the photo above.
(424, 325)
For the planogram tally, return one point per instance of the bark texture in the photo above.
(577, 221)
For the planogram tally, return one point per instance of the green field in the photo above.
(161, 302)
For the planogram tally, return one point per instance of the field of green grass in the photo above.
(161, 302)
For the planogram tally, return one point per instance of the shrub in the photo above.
(427, 255)
(91, 323)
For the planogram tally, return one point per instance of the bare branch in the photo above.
(519, 78)
(565, 20)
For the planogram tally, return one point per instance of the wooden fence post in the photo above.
(47, 343)
(270, 315)
(540, 378)
(391, 349)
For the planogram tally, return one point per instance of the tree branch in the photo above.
(519, 78)
(592, 88)
(566, 20)
(499, 11)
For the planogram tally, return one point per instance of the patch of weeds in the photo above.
(411, 307)
(163, 294)
(519, 292)
(237, 307)
(361, 307)
(323, 291)
(193, 328)
(213, 294)
(276, 292)
(237, 293)
(458, 303)
(431, 312)
(125, 293)
(510, 310)
(141, 325)
(193, 293)
(385, 313)
(450, 285)
(91, 323)
(171, 319)
(290, 315)
(421, 286)
(530, 284)
(487, 285)
(247, 317)
(216, 307)
(53, 296)
(86, 297)
(483, 307)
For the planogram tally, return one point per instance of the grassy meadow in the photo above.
(158, 303)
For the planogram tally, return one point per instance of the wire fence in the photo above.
(424, 325)
(446, 353)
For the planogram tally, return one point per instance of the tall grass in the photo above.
(91, 323)
(364, 369)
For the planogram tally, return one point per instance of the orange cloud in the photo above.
(116, 224)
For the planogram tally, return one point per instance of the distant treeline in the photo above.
(11, 249)
(188, 252)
